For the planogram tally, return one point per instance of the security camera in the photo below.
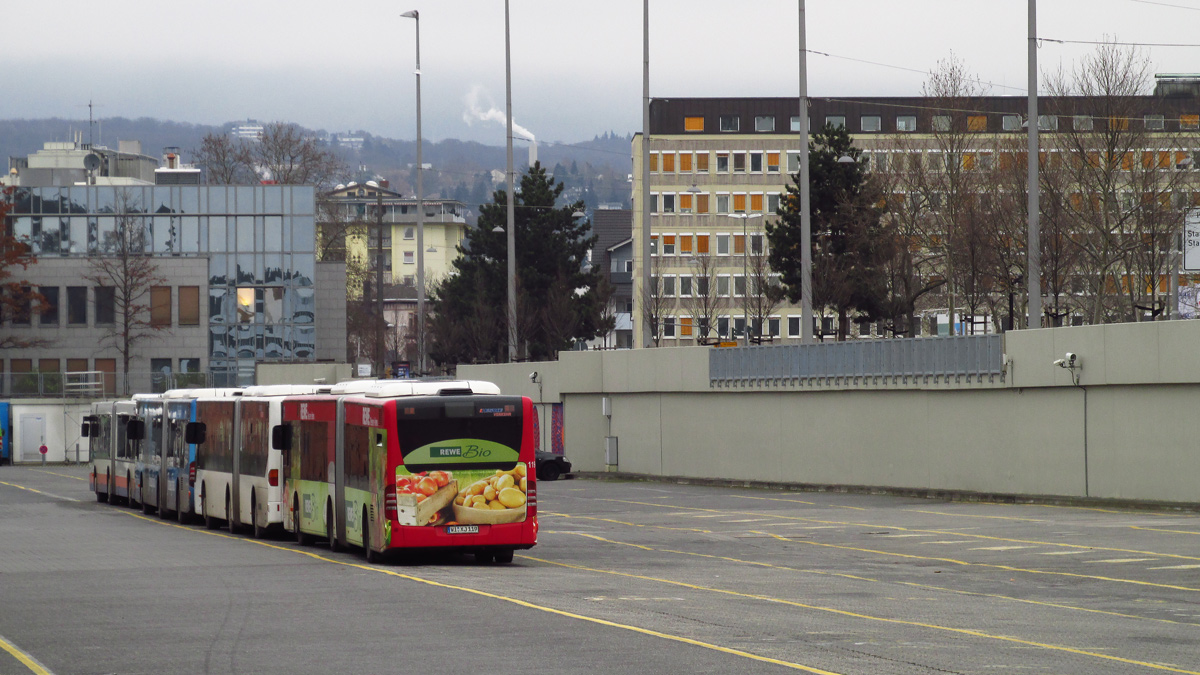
(1060, 363)
(1070, 359)
(533, 376)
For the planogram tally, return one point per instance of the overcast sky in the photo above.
(577, 65)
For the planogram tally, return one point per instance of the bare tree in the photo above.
(283, 153)
(223, 160)
(949, 183)
(1122, 181)
(18, 300)
(655, 303)
(289, 156)
(705, 304)
(126, 266)
(764, 293)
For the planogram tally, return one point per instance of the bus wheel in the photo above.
(129, 491)
(330, 530)
(301, 536)
(229, 521)
(258, 531)
(484, 557)
(210, 523)
(179, 514)
(504, 557)
(100, 496)
(109, 496)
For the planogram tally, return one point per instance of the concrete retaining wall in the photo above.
(1126, 432)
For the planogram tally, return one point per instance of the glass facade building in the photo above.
(258, 241)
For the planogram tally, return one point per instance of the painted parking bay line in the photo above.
(951, 541)
(1176, 567)
(520, 603)
(1121, 560)
(999, 548)
(26, 659)
(1062, 552)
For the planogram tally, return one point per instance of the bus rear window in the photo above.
(459, 433)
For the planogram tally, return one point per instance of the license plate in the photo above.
(462, 529)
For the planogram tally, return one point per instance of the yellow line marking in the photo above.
(801, 501)
(521, 603)
(27, 660)
(29, 489)
(1159, 529)
(622, 522)
(1092, 508)
(912, 529)
(856, 615)
(856, 577)
(970, 515)
(55, 473)
(1007, 568)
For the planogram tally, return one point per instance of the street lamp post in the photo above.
(744, 217)
(415, 16)
(806, 308)
(512, 240)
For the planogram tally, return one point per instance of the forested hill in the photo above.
(19, 138)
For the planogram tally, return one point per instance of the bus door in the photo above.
(339, 475)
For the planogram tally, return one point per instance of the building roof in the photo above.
(611, 226)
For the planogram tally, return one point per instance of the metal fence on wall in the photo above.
(910, 361)
(96, 384)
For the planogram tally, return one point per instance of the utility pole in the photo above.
(379, 322)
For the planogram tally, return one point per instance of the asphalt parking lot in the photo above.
(628, 577)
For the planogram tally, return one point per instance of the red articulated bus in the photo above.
(394, 465)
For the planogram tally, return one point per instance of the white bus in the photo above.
(214, 435)
(257, 476)
(113, 455)
(147, 474)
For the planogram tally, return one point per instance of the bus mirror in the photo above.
(135, 430)
(281, 437)
(194, 432)
(85, 430)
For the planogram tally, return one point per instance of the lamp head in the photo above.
(412, 14)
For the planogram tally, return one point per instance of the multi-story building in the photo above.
(347, 229)
(233, 280)
(614, 251)
(719, 168)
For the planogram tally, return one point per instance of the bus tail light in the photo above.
(191, 474)
(389, 502)
(273, 478)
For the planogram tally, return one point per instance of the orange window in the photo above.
(654, 244)
(653, 162)
(772, 161)
(685, 161)
(702, 203)
(685, 326)
(1147, 160)
(969, 161)
(1006, 161)
(668, 162)
(1189, 121)
(756, 203)
(160, 306)
(1118, 123)
(739, 244)
(685, 203)
(668, 244)
(976, 123)
(693, 124)
(1126, 161)
(702, 243)
(702, 162)
(739, 203)
(1180, 157)
(1164, 159)
(685, 243)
